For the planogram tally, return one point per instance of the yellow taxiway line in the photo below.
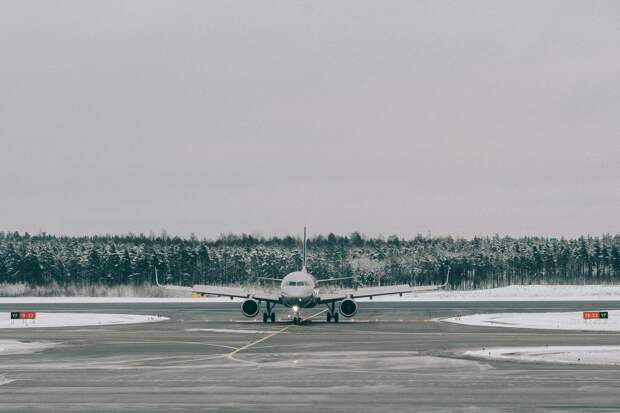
(231, 355)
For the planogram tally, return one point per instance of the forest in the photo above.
(479, 262)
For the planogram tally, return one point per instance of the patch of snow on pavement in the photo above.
(4, 380)
(75, 320)
(21, 347)
(547, 321)
(601, 355)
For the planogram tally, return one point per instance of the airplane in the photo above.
(300, 290)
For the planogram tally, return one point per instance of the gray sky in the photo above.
(408, 117)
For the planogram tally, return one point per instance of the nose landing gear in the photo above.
(296, 315)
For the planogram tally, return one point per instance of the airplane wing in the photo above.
(364, 292)
(387, 290)
(232, 292)
(374, 291)
(236, 292)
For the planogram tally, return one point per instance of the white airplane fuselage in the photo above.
(298, 290)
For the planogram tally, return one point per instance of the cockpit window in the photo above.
(296, 283)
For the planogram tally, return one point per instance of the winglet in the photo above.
(170, 287)
(447, 278)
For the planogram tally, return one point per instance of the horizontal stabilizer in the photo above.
(334, 279)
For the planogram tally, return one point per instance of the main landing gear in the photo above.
(332, 317)
(331, 313)
(269, 315)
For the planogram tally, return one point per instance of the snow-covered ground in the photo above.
(104, 300)
(512, 293)
(21, 347)
(75, 320)
(547, 321)
(522, 293)
(606, 355)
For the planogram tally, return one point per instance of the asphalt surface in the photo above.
(392, 357)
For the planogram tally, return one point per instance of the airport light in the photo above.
(590, 315)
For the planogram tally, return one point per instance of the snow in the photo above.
(547, 321)
(518, 293)
(110, 300)
(512, 293)
(4, 380)
(604, 355)
(21, 347)
(75, 320)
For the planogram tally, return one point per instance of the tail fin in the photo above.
(304, 263)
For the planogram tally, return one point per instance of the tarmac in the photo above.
(390, 357)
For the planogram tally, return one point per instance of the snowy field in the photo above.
(512, 293)
(602, 355)
(547, 321)
(75, 320)
(525, 293)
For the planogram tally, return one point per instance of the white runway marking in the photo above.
(228, 330)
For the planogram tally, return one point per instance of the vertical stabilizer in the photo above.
(304, 262)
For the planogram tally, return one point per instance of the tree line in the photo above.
(480, 262)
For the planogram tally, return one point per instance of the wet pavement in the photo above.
(392, 357)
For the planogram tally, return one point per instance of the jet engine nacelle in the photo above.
(250, 307)
(348, 307)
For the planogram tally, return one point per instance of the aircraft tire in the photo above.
(336, 318)
(329, 318)
(264, 317)
(272, 317)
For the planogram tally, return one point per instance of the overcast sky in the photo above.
(449, 118)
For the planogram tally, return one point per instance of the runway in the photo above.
(208, 357)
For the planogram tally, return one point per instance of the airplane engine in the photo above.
(348, 307)
(250, 308)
